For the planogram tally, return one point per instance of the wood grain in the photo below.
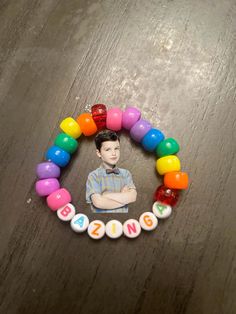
(175, 60)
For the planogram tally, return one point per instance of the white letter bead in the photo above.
(131, 228)
(79, 223)
(66, 213)
(96, 229)
(114, 229)
(148, 221)
(161, 210)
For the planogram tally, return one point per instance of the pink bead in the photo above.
(130, 117)
(46, 186)
(114, 119)
(58, 199)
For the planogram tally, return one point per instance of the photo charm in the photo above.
(109, 189)
(105, 122)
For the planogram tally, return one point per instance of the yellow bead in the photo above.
(168, 164)
(71, 127)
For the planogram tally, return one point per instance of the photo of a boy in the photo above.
(109, 189)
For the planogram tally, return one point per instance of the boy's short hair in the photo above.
(104, 136)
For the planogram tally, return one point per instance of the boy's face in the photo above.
(109, 152)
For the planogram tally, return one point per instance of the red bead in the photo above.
(166, 195)
(99, 113)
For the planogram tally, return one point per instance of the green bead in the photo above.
(167, 147)
(66, 142)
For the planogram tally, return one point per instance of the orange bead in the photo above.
(176, 180)
(87, 124)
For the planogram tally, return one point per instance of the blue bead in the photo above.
(57, 155)
(152, 139)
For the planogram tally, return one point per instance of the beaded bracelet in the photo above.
(58, 155)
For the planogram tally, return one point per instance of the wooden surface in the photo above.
(175, 60)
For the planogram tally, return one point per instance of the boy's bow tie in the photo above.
(114, 170)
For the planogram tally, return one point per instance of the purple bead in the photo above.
(46, 186)
(139, 130)
(130, 116)
(46, 170)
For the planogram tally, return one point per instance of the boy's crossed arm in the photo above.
(112, 200)
(126, 196)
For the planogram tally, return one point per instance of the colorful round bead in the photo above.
(161, 210)
(167, 147)
(66, 213)
(99, 114)
(140, 129)
(48, 169)
(96, 229)
(58, 199)
(130, 116)
(176, 180)
(71, 127)
(168, 164)
(58, 155)
(166, 195)
(114, 229)
(87, 124)
(79, 223)
(114, 119)
(66, 142)
(152, 139)
(45, 187)
(148, 221)
(131, 228)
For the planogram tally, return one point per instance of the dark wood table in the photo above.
(175, 60)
